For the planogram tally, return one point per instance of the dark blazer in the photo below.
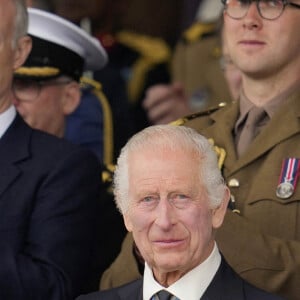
(226, 285)
(49, 193)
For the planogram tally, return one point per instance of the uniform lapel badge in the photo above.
(288, 178)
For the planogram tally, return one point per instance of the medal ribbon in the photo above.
(290, 171)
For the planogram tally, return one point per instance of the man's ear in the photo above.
(23, 48)
(219, 212)
(71, 97)
(127, 222)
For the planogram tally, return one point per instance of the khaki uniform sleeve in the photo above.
(124, 269)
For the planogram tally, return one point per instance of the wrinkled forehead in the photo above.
(163, 162)
(157, 150)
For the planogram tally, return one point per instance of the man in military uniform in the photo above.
(258, 139)
(47, 87)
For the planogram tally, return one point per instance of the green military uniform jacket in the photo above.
(262, 241)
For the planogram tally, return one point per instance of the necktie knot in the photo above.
(250, 129)
(164, 295)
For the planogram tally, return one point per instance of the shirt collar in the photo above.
(189, 287)
(270, 107)
(6, 118)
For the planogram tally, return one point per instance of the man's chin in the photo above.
(169, 263)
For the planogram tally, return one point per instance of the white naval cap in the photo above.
(61, 45)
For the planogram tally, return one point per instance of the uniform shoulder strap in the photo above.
(198, 31)
(152, 51)
(206, 112)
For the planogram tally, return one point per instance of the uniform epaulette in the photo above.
(152, 51)
(155, 49)
(182, 121)
(199, 30)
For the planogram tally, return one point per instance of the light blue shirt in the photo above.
(6, 118)
(191, 286)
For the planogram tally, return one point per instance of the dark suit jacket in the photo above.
(49, 193)
(226, 285)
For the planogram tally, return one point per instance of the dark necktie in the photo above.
(249, 131)
(164, 295)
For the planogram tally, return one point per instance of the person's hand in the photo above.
(166, 103)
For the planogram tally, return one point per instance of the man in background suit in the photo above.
(49, 191)
(172, 196)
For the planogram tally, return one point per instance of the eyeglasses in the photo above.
(29, 90)
(267, 9)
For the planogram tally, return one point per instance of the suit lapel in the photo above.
(8, 174)
(140, 294)
(132, 291)
(226, 285)
(14, 147)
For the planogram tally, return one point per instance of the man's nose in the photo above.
(165, 215)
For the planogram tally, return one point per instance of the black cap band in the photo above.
(48, 60)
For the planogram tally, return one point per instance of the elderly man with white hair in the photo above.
(172, 196)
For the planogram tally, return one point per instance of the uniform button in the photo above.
(233, 183)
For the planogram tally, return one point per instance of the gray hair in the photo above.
(170, 137)
(21, 21)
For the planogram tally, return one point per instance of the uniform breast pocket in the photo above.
(274, 215)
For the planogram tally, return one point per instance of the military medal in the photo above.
(288, 178)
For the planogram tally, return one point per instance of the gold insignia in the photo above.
(198, 30)
(37, 71)
(233, 182)
(221, 153)
(107, 176)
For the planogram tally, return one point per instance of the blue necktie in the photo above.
(164, 295)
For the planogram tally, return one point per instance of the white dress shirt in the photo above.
(189, 287)
(6, 118)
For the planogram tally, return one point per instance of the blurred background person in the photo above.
(47, 86)
(112, 85)
(206, 65)
(128, 30)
